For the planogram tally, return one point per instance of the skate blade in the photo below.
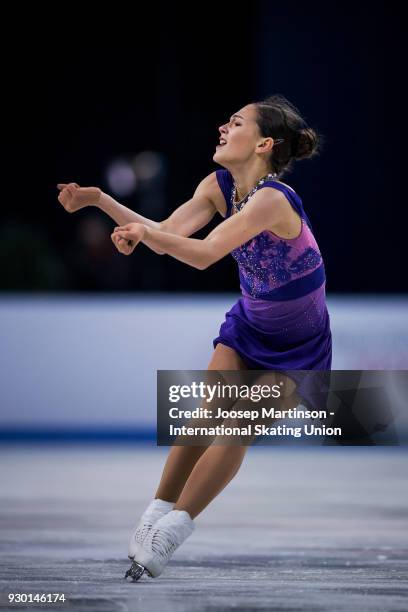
(136, 571)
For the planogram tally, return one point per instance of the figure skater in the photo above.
(281, 321)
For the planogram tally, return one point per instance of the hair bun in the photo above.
(306, 143)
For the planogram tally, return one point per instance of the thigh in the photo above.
(226, 358)
(223, 359)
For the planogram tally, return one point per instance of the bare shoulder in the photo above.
(263, 198)
(274, 207)
(209, 188)
(269, 204)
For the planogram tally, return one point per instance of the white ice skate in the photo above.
(155, 510)
(161, 541)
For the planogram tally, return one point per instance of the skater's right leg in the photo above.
(160, 542)
(154, 511)
(182, 459)
(178, 467)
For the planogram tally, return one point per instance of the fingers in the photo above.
(62, 186)
(128, 226)
(124, 249)
(71, 188)
(127, 235)
(123, 246)
(116, 241)
(63, 198)
(124, 234)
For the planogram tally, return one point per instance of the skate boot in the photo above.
(154, 511)
(161, 541)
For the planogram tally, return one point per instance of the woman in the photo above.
(280, 323)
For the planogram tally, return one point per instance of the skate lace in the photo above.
(142, 532)
(163, 542)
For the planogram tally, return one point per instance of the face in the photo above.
(241, 137)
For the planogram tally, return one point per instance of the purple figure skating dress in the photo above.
(281, 321)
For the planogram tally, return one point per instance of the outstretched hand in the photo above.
(73, 197)
(127, 237)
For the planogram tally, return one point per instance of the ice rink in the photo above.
(317, 528)
(299, 528)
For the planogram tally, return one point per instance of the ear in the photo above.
(265, 145)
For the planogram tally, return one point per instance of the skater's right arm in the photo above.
(73, 198)
(184, 221)
(187, 219)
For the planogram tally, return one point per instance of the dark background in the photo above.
(81, 96)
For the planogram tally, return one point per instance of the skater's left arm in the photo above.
(266, 209)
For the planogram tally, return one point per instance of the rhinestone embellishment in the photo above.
(239, 205)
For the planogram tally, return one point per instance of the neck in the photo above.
(246, 178)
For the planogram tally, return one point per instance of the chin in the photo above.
(219, 158)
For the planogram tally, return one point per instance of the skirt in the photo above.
(284, 336)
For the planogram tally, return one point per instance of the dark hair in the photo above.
(278, 118)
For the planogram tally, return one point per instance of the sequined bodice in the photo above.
(268, 263)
